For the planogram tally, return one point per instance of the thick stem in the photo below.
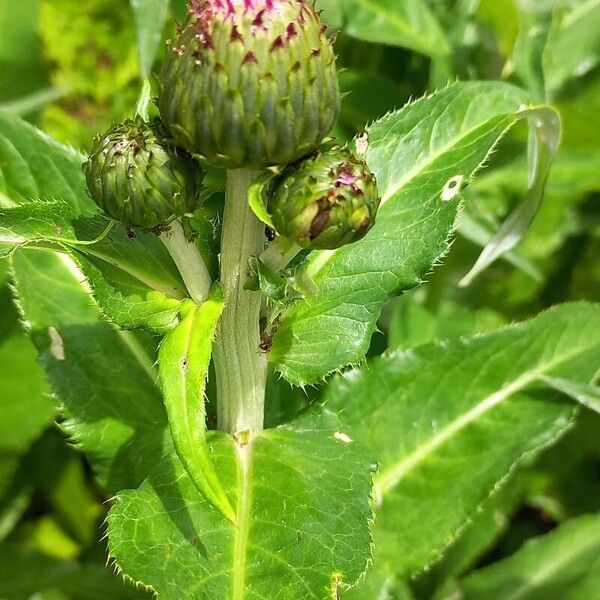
(189, 261)
(240, 366)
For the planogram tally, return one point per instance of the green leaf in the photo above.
(527, 58)
(256, 198)
(573, 47)
(130, 296)
(421, 155)
(104, 377)
(562, 564)
(23, 574)
(477, 539)
(332, 13)
(544, 141)
(448, 422)
(33, 166)
(587, 395)
(150, 20)
(302, 509)
(22, 65)
(406, 23)
(30, 103)
(25, 407)
(43, 197)
(184, 359)
(412, 325)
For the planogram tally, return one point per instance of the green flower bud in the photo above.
(250, 83)
(325, 201)
(137, 178)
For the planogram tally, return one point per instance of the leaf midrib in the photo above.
(391, 477)
(242, 526)
(170, 291)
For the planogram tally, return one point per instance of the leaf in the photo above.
(470, 228)
(184, 359)
(45, 199)
(25, 407)
(573, 47)
(527, 57)
(377, 585)
(420, 156)
(302, 511)
(256, 199)
(412, 325)
(560, 564)
(478, 538)
(544, 141)
(33, 166)
(331, 13)
(23, 574)
(30, 103)
(406, 23)
(131, 297)
(587, 395)
(150, 20)
(105, 378)
(448, 422)
(22, 65)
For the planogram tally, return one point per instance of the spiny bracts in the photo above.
(138, 178)
(325, 201)
(250, 83)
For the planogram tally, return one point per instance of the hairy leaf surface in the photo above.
(301, 495)
(43, 198)
(447, 422)
(422, 156)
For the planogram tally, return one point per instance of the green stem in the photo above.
(240, 366)
(189, 261)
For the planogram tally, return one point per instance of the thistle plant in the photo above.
(322, 466)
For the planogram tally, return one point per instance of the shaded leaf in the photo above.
(573, 47)
(25, 407)
(562, 564)
(25, 573)
(104, 377)
(302, 511)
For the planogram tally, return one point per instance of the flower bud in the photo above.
(250, 83)
(325, 201)
(137, 178)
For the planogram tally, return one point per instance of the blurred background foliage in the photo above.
(72, 67)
